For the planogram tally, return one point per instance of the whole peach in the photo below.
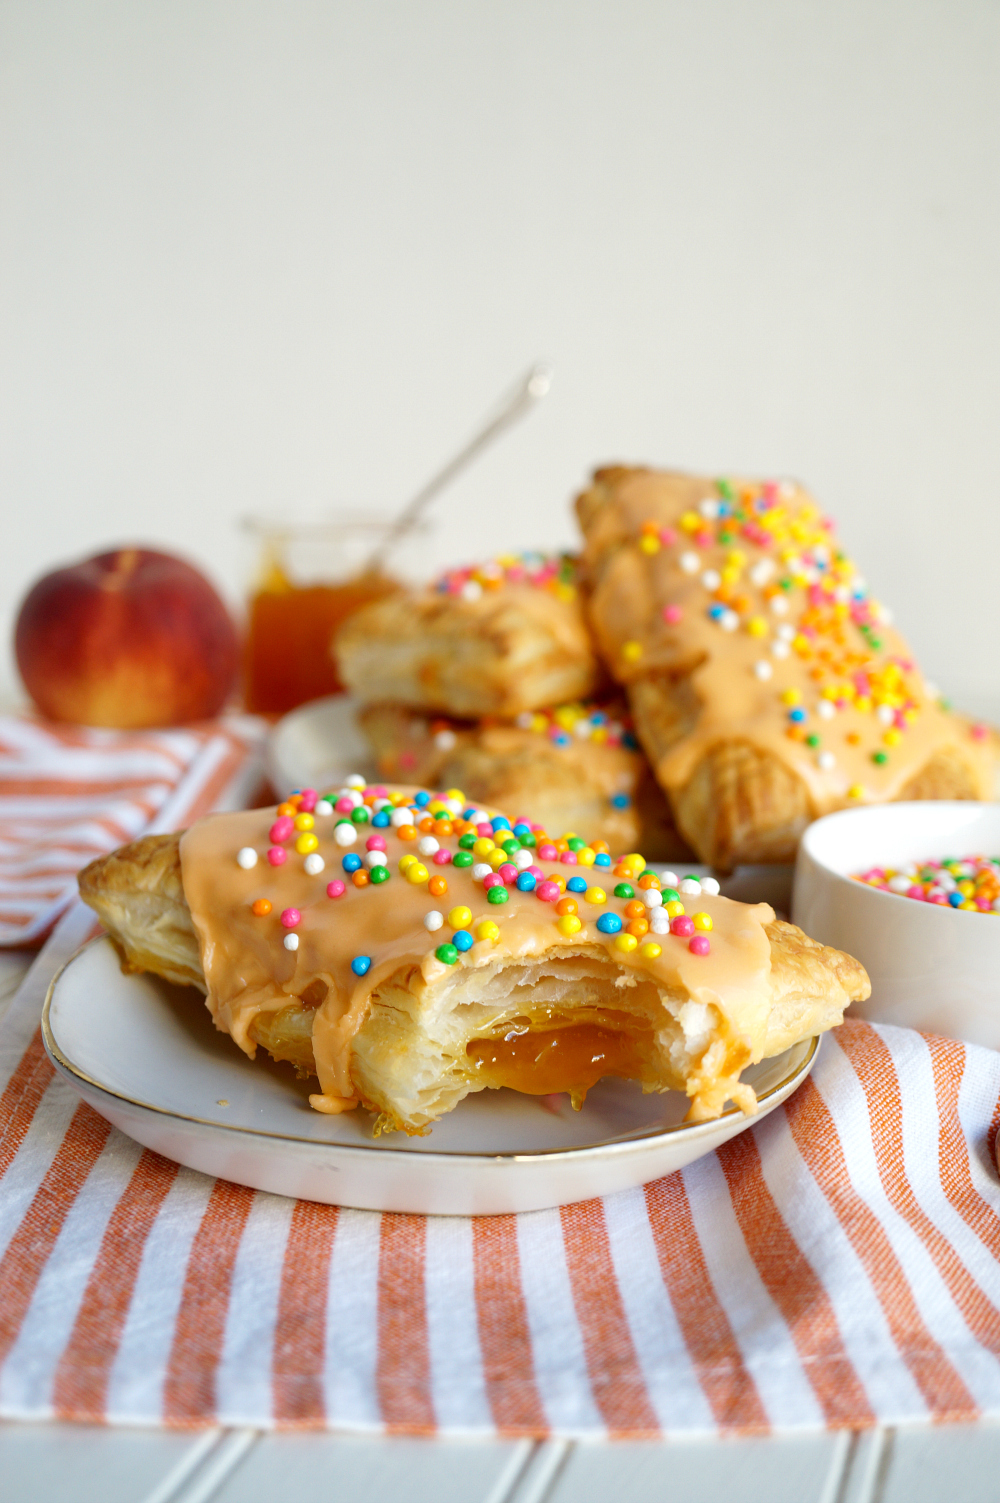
(128, 639)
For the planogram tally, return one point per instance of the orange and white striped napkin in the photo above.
(836, 1265)
(70, 793)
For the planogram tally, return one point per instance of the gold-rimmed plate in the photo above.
(146, 1056)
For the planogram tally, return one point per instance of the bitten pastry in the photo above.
(408, 949)
(577, 767)
(505, 637)
(768, 687)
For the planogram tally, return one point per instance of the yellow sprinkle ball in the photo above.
(703, 921)
(791, 697)
(649, 543)
(892, 737)
(757, 626)
(417, 873)
(456, 794)
(405, 862)
(855, 791)
(674, 910)
(460, 917)
(596, 895)
(626, 942)
(304, 821)
(483, 846)
(650, 950)
(496, 858)
(569, 924)
(631, 651)
(690, 521)
(585, 856)
(488, 930)
(306, 843)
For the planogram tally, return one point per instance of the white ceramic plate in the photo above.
(147, 1057)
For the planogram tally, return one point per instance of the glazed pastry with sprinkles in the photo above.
(409, 947)
(498, 639)
(576, 766)
(768, 686)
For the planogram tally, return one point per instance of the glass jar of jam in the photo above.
(307, 579)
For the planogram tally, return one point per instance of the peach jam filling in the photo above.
(573, 1058)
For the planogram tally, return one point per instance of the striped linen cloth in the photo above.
(835, 1265)
(70, 793)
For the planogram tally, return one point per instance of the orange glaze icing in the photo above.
(249, 971)
(666, 549)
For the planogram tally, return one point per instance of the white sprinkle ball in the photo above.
(690, 562)
(826, 709)
(763, 669)
(445, 740)
(827, 761)
(453, 805)
(670, 879)
(428, 845)
(885, 714)
(761, 572)
(659, 921)
(651, 896)
(247, 858)
(381, 803)
(729, 621)
(355, 781)
(780, 649)
(375, 858)
(323, 807)
(481, 870)
(471, 590)
(345, 834)
(478, 817)
(899, 884)
(710, 887)
(711, 579)
(523, 859)
(291, 941)
(433, 920)
(400, 816)
(786, 631)
(691, 887)
(313, 864)
(709, 508)
(352, 794)
(779, 605)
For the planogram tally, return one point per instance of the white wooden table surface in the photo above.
(59, 1463)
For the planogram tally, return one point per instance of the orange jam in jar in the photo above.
(308, 581)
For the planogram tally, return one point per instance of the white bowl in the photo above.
(931, 967)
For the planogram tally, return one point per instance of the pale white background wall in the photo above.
(266, 255)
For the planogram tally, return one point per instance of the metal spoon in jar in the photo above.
(511, 407)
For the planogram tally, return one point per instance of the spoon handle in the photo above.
(519, 400)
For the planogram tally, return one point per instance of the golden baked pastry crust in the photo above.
(512, 649)
(536, 1011)
(715, 697)
(602, 790)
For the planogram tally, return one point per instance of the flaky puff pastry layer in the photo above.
(599, 790)
(517, 648)
(730, 707)
(556, 1019)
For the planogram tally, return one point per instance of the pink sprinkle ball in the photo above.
(335, 889)
(699, 945)
(290, 917)
(548, 891)
(668, 537)
(277, 856)
(282, 829)
(548, 853)
(493, 880)
(344, 805)
(442, 857)
(375, 843)
(568, 858)
(309, 799)
(485, 830)
(507, 873)
(672, 614)
(537, 873)
(682, 925)
(915, 892)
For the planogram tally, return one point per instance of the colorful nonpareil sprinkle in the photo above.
(553, 572)
(971, 883)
